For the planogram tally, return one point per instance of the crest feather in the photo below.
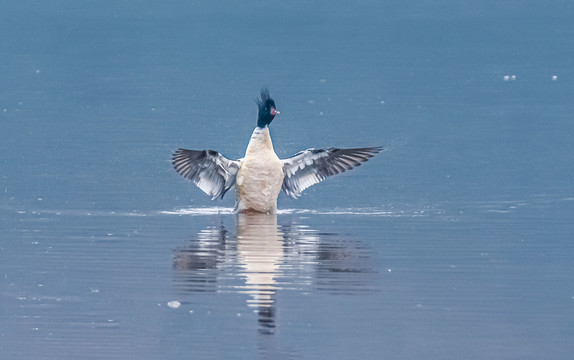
(264, 97)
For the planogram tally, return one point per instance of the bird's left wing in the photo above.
(209, 170)
(311, 166)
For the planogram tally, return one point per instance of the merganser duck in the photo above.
(261, 175)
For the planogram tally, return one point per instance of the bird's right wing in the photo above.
(209, 170)
(311, 166)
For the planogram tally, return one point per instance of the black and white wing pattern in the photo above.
(311, 166)
(209, 170)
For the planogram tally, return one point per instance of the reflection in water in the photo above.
(260, 253)
(202, 256)
(267, 257)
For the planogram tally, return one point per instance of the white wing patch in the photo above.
(311, 166)
(209, 170)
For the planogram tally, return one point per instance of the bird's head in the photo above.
(267, 109)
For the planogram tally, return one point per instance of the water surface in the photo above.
(455, 242)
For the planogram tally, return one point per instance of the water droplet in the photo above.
(174, 304)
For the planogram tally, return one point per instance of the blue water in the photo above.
(455, 242)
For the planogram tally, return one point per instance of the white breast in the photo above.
(260, 176)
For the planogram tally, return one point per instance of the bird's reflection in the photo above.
(267, 257)
(260, 253)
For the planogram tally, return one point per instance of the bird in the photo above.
(261, 175)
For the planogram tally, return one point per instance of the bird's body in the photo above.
(260, 176)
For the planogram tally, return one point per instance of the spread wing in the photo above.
(209, 170)
(311, 166)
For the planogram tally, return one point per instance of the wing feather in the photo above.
(212, 172)
(311, 166)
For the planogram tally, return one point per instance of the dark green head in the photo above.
(267, 109)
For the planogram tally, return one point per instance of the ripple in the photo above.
(216, 210)
(336, 211)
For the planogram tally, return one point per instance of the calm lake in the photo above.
(455, 242)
